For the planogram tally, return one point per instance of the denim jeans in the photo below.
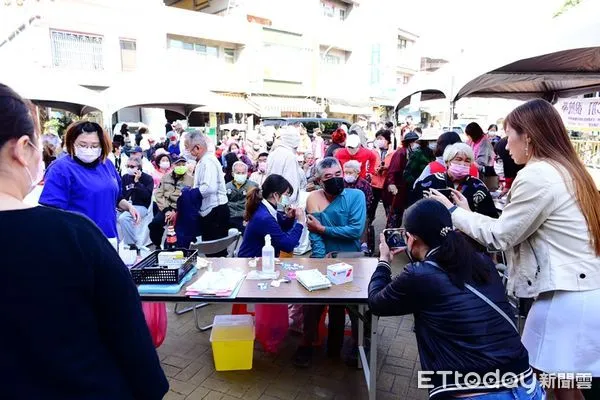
(529, 391)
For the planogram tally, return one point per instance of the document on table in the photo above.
(221, 283)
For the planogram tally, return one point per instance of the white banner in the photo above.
(580, 114)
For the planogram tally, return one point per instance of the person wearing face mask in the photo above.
(166, 196)
(99, 332)
(173, 147)
(138, 153)
(484, 154)
(492, 134)
(352, 180)
(260, 174)
(237, 191)
(336, 221)
(309, 167)
(459, 158)
(395, 182)
(161, 166)
(137, 190)
(355, 151)
(383, 159)
(550, 233)
(282, 161)
(263, 219)
(419, 156)
(463, 320)
(305, 145)
(236, 154)
(209, 179)
(86, 182)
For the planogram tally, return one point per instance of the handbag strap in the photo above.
(484, 298)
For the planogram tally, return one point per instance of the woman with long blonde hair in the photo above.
(550, 232)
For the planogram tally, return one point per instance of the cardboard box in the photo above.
(340, 273)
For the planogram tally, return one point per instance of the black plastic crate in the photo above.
(148, 271)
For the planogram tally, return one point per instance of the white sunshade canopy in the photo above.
(52, 89)
(171, 91)
(561, 59)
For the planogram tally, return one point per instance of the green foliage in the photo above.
(59, 125)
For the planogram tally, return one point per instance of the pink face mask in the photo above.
(262, 166)
(459, 171)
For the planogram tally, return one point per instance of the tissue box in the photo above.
(340, 273)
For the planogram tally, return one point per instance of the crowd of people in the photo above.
(439, 192)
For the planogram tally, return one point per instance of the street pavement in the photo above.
(187, 360)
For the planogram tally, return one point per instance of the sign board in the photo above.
(580, 114)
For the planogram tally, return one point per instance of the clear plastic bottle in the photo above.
(268, 256)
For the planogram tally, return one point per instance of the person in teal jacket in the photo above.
(336, 221)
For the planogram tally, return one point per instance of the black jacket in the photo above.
(455, 329)
(477, 194)
(140, 194)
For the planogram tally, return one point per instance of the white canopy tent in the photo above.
(562, 59)
(52, 89)
(157, 90)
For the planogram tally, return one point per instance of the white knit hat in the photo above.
(290, 137)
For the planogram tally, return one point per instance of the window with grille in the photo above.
(128, 55)
(77, 51)
(402, 43)
(405, 79)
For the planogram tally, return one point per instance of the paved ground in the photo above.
(187, 360)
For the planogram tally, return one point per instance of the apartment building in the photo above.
(262, 57)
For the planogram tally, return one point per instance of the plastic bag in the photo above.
(156, 319)
(271, 325)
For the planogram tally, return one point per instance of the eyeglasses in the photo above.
(87, 146)
(132, 166)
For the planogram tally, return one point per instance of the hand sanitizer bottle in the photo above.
(268, 256)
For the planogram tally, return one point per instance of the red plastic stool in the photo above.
(237, 309)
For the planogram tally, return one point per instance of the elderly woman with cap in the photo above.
(86, 182)
(283, 161)
(461, 311)
(338, 141)
(458, 158)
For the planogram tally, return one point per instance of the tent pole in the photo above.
(451, 118)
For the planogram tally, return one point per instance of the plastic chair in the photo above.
(215, 246)
(210, 247)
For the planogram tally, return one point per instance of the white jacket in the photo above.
(542, 231)
(283, 161)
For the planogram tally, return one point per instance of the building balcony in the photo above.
(219, 74)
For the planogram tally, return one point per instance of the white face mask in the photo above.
(131, 171)
(381, 144)
(39, 174)
(350, 178)
(165, 165)
(87, 155)
(240, 179)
